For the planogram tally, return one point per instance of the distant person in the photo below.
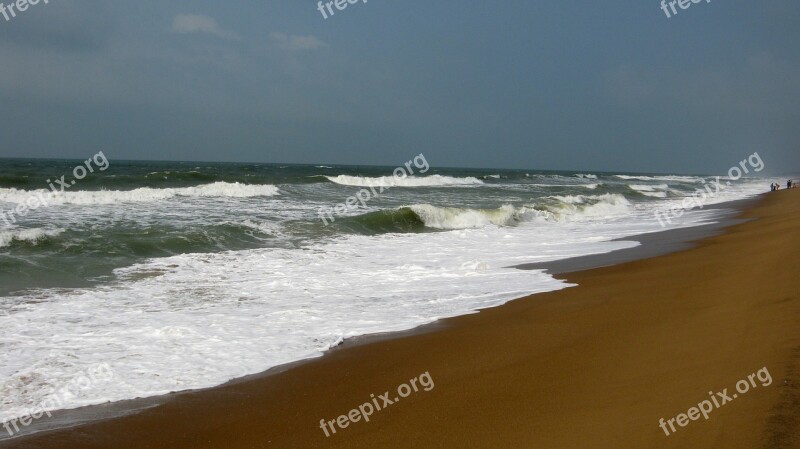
(772, 187)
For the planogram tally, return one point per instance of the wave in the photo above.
(412, 181)
(586, 176)
(655, 194)
(31, 236)
(206, 312)
(651, 190)
(265, 228)
(586, 186)
(572, 207)
(400, 220)
(648, 187)
(142, 194)
(458, 218)
(662, 178)
(419, 217)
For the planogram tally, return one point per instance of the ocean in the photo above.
(184, 275)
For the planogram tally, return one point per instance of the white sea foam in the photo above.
(570, 208)
(262, 227)
(585, 186)
(736, 190)
(674, 178)
(651, 190)
(578, 207)
(140, 195)
(198, 320)
(33, 236)
(460, 218)
(587, 176)
(648, 187)
(411, 181)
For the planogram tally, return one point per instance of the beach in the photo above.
(597, 365)
(279, 225)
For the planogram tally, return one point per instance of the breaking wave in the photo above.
(412, 181)
(652, 190)
(419, 217)
(140, 195)
(576, 207)
(30, 236)
(661, 178)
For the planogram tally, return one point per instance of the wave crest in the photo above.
(411, 181)
(591, 206)
(652, 190)
(31, 236)
(661, 178)
(417, 217)
(458, 218)
(141, 195)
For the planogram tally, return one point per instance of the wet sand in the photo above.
(592, 366)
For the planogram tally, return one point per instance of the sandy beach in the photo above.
(597, 365)
(357, 224)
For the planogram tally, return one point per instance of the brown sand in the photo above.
(594, 366)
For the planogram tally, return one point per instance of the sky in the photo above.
(561, 85)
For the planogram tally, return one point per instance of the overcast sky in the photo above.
(568, 84)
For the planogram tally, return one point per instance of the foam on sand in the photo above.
(205, 313)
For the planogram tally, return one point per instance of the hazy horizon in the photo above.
(767, 173)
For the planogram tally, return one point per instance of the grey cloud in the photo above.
(198, 23)
(294, 43)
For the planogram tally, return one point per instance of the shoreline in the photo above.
(654, 244)
(678, 240)
(651, 245)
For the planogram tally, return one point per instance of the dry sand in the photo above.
(595, 366)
